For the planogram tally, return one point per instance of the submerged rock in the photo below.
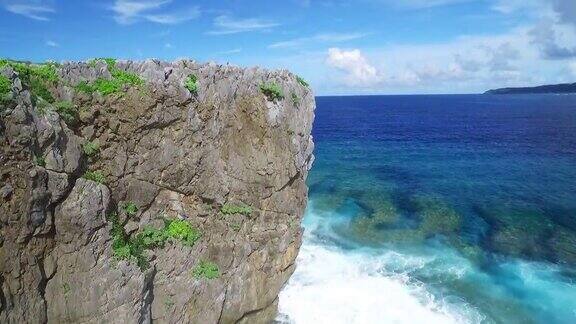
(135, 141)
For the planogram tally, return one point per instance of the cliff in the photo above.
(552, 88)
(138, 192)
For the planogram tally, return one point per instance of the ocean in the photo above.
(439, 209)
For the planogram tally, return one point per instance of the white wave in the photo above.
(335, 286)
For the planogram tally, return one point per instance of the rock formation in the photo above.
(92, 145)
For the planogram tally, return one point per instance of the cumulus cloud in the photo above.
(131, 11)
(225, 25)
(466, 64)
(554, 29)
(31, 9)
(544, 36)
(358, 71)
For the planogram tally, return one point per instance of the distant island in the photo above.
(552, 88)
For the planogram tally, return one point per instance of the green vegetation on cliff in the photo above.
(295, 99)
(191, 84)
(40, 161)
(302, 81)
(207, 270)
(272, 91)
(123, 247)
(119, 80)
(130, 208)
(90, 148)
(67, 111)
(126, 247)
(84, 86)
(5, 88)
(5, 85)
(229, 209)
(95, 176)
(39, 77)
(182, 230)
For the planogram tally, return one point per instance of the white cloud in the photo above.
(326, 38)
(232, 51)
(131, 11)
(464, 65)
(174, 18)
(468, 62)
(554, 26)
(51, 43)
(358, 71)
(33, 10)
(225, 25)
(515, 6)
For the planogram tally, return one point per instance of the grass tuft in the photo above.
(229, 209)
(90, 148)
(295, 99)
(5, 85)
(272, 91)
(125, 247)
(67, 111)
(302, 81)
(95, 176)
(5, 89)
(37, 76)
(85, 87)
(106, 87)
(111, 62)
(130, 208)
(126, 78)
(152, 238)
(191, 84)
(183, 231)
(39, 160)
(206, 269)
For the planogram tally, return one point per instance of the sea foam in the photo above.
(334, 286)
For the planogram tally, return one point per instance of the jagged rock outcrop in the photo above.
(173, 152)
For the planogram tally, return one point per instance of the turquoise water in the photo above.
(439, 209)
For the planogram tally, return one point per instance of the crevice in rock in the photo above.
(254, 311)
(2, 297)
(290, 182)
(146, 310)
(223, 305)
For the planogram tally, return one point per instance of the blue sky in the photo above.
(340, 46)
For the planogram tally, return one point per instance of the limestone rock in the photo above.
(173, 154)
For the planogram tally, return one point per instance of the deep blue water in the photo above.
(457, 208)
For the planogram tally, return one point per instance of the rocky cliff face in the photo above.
(98, 157)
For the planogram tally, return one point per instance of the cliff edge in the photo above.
(138, 192)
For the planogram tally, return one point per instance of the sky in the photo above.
(340, 46)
